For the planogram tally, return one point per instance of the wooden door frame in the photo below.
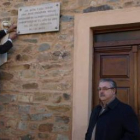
(85, 25)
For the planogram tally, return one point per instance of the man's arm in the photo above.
(2, 34)
(130, 125)
(6, 47)
(12, 35)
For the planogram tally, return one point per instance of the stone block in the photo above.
(28, 49)
(56, 86)
(41, 97)
(4, 139)
(44, 57)
(44, 47)
(43, 136)
(26, 66)
(128, 4)
(7, 98)
(33, 126)
(28, 74)
(61, 128)
(23, 108)
(22, 125)
(56, 99)
(30, 86)
(39, 117)
(1, 123)
(6, 76)
(98, 8)
(113, 0)
(83, 2)
(62, 119)
(66, 18)
(66, 96)
(59, 73)
(25, 117)
(25, 98)
(30, 40)
(23, 57)
(51, 66)
(14, 12)
(45, 127)
(11, 107)
(11, 123)
(27, 137)
(1, 108)
(19, 67)
(58, 108)
(7, 3)
(62, 137)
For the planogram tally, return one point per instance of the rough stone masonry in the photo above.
(36, 82)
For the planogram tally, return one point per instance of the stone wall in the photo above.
(36, 82)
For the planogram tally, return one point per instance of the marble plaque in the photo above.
(36, 19)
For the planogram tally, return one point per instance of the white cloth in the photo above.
(8, 35)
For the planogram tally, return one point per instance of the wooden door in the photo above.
(119, 60)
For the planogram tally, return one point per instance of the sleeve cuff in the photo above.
(6, 31)
(10, 40)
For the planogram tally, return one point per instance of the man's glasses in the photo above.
(104, 88)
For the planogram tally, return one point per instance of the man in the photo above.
(12, 35)
(112, 119)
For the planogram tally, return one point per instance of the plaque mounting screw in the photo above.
(18, 32)
(56, 4)
(20, 9)
(55, 27)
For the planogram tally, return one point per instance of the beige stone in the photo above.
(59, 108)
(25, 98)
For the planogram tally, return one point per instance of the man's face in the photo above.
(106, 92)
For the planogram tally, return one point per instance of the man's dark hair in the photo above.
(111, 81)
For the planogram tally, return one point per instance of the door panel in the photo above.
(124, 94)
(115, 66)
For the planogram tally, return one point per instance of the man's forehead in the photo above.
(104, 84)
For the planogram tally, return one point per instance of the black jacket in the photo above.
(7, 45)
(117, 122)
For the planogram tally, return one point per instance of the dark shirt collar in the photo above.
(111, 104)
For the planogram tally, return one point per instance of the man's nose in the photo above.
(101, 92)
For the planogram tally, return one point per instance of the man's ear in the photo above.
(114, 91)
